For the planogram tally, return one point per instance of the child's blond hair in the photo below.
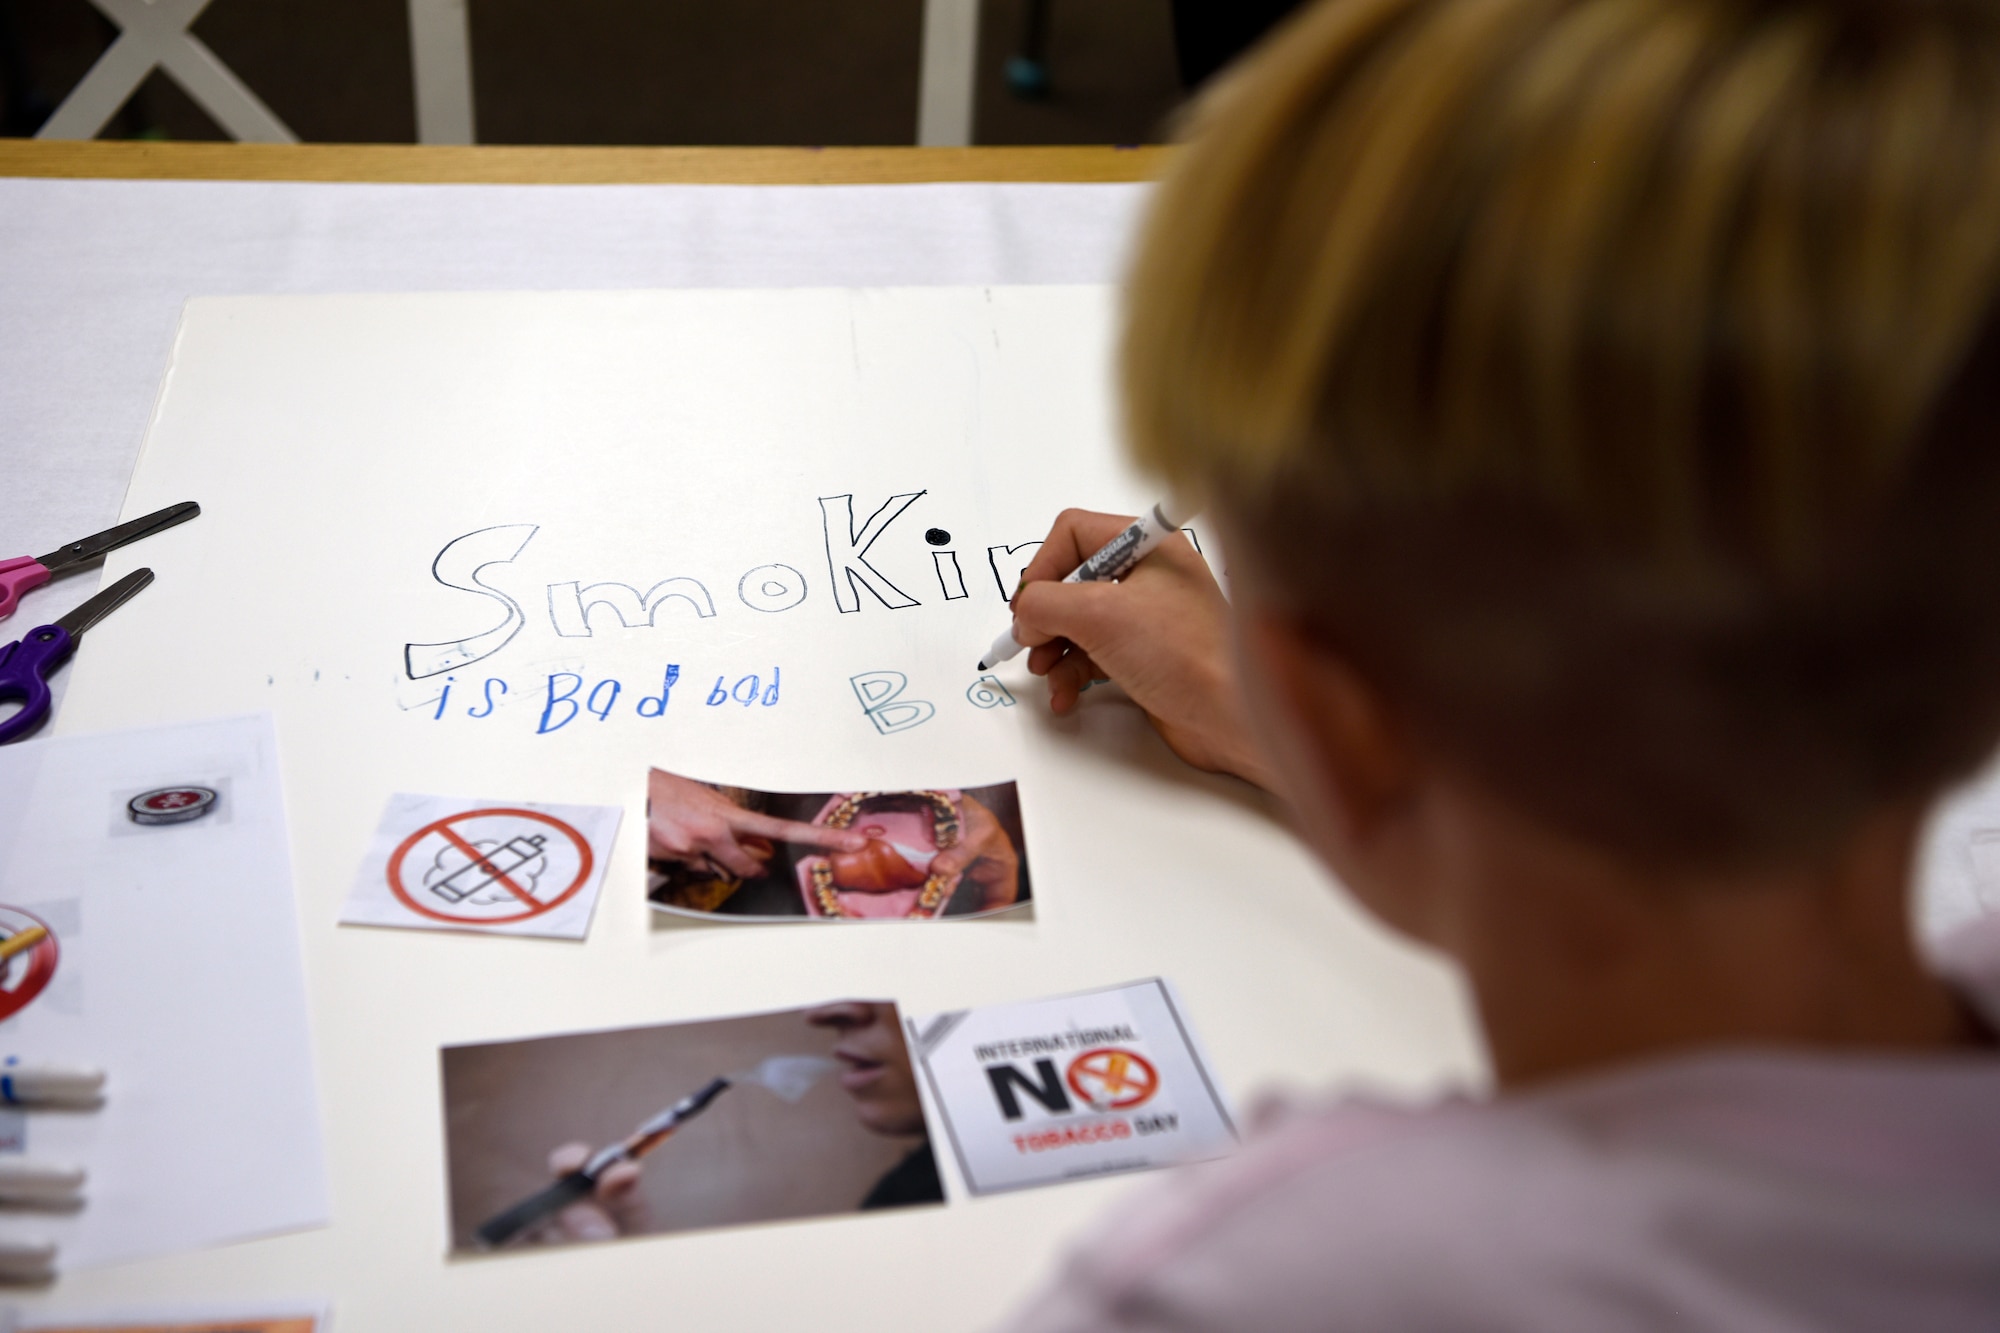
(1615, 382)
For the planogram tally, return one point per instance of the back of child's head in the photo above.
(1616, 385)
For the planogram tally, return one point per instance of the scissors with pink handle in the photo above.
(27, 663)
(26, 573)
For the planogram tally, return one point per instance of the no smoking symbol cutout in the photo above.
(489, 867)
(1111, 1079)
(28, 954)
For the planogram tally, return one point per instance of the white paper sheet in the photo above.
(491, 866)
(341, 446)
(179, 976)
(1075, 1086)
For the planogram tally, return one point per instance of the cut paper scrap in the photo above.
(264, 1317)
(499, 867)
(1092, 1084)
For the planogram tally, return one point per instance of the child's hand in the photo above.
(1162, 633)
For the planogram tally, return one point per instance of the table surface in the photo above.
(101, 243)
(100, 246)
(499, 165)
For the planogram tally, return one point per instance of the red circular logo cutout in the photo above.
(1109, 1078)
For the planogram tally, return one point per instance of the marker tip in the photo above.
(982, 664)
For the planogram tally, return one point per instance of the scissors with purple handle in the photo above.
(25, 573)
(27, 663)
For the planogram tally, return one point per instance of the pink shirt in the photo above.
(1742, 1190)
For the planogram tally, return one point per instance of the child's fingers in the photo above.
(1076, 536)
(1069, 678)
(1084, 613)
(1043, 656)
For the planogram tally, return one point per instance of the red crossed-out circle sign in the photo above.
(26, 971)
(1111, 1078)
(459, 869)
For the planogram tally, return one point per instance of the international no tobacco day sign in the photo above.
(1077, 1085)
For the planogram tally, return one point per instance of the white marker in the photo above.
(27, 1260)
(1114, 560)
(24, 1180)
(59, 1085)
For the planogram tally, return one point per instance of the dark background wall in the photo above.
(626, 71)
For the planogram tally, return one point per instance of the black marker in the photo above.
(1114, 560)
(503, 1227)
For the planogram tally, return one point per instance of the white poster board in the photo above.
(530, 545)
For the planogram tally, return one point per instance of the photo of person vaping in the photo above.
(799, 1113)
(875, 1072)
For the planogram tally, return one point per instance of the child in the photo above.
(1599, 401)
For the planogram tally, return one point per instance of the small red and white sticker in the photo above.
(171, 805)
(1111, 1078)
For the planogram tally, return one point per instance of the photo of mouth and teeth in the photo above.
(920, 855)
(682, 1126)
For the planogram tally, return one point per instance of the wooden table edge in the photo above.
(498, 165)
